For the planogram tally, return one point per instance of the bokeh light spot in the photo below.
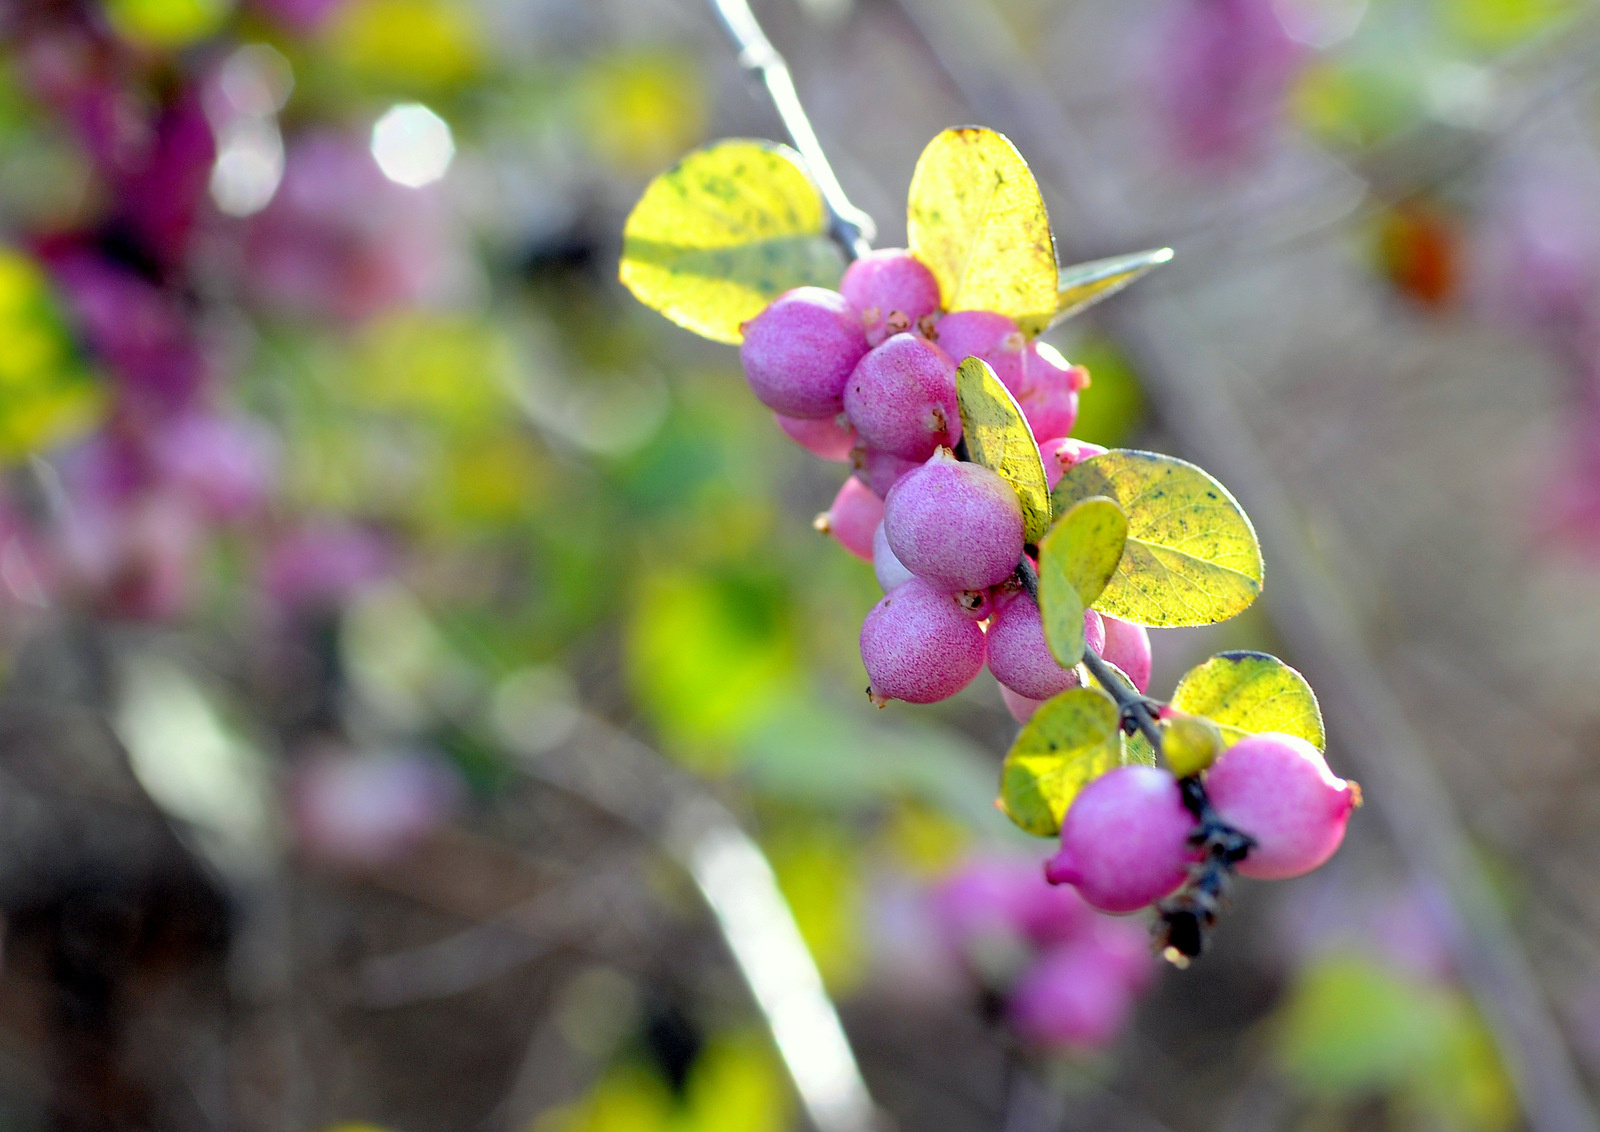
(412, 145)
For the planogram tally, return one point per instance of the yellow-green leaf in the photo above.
(1071, 740)
(976, 218)
(723, 233)
(1076, 559)
(998, 437)
(1244, 693)
(47, 394)
(1084, 284)
(1192, 557)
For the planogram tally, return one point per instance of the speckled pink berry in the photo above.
(831, 438)
(902, 398)
(1125, 840)
(992, 337)
(880, 470)
(1018, 655)
(1061, 454)
(955, 525)
(856, 513)
(917, 645)
(799, 352)
(1279, 790)
(1128, 647)
(892, 290)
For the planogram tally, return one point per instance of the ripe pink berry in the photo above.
(1020, 707)
(956, 525)
(855, 514)
(1049, 396)
(1279, 790)
(1018, 655)
(1073, 996)
(880, 470)
(1061, 454)
(1128, 647)
(893, 291)
(919, 646)
(902, 398)
(889, 569)
(826, 437)
(992, 337)
(1125, 840)
(799, 352)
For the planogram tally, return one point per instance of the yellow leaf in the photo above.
(976, 218)
(1071, 740)
(998, 437)
(1076, 559)
(1245, 693)
(723, 233)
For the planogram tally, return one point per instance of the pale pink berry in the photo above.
(1125, 840)
(892, 290)
(1128, 647)
(955, 525)
(889, 569)
(1061, 454)
(880, 470)
(831, 438)
(1020, 707)
(1279, 790)
(917, 645)
(1049, 394)
(992, 337)
(800, 351)
(1018, 655)
(855, 514)
(1073, 996)
(902, 398)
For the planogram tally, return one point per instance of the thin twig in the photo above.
(851, 228)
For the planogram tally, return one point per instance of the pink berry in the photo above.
(1128, 647)
(955, 525)
(1019, 657)
(1279, 790)
(902, 398)
(1020, 707)
(889, 569)
(799, 352)
(880, 470)
(893, 291)
(826, 437)
(918, 646)
(1061, 454)
(992, 337)
(1049, 394)
(1125, 840)
(855, 514)
(1073, 996)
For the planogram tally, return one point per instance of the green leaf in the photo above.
(1245, 693)
(1084, 284)
(723, 233)
(1071, 740)
(998, 437)
(976, 218)
(1076, 559)
(1192, 557)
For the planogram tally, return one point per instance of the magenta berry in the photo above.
(1061, 454)
(1278, 789)
(799, 352)
(889, 569)
(830, 438)
(892, 290)
(1128, 647)
(902, 398)
(956, 525)
(1125, 840)
(992, 337)
(855, 514)
(919, 646)
(1019, 657)
(1073, 996)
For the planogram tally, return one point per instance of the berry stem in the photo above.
(849, 227)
